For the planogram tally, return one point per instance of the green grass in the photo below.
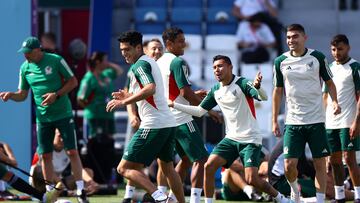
(110, 198)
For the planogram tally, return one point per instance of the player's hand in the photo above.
(6, 95)
(120, 95)
(135, 122)
(215, 116)
(354, 130)
(336, 108)
(114, 104)
(201, 93)
(170, 103)
(276, 129)
(92, 187)
(257, 80)
(49, 98)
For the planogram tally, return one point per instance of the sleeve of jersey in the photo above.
(355, 72)
(111, 73)
(325, 72)
(84, 89)
(23, 84)
(278, 76)
(143, 74)
(325, 88)
(197, 111)
(179, 69)
(249, 90)
(65, 69)
(209, 101)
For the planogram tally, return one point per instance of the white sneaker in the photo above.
(171, 200)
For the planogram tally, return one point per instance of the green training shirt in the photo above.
(47, 76)
(96, 93)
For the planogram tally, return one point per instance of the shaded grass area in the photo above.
(110, 198)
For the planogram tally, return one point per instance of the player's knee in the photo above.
(251, 179)
(209, 168)
(121, 170)
(350, 160)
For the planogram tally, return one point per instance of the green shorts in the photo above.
(339, 140)
(296, 137)
(3, 170)
(46, 134)
(149, 144)
(189, 142)
(307, 187)
(228, 195)
(230, 150)
(101, 127)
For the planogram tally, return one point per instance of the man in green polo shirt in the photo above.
(50, 80)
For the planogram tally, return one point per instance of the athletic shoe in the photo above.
(256, 197)
(8, 195)
(148, 198)
(126, 200)
(82, 198)
(51, 196)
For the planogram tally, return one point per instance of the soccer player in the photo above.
(243, 138)
(298, 73)
(341, 143)
(189, 143)
(153, 48)
(50, 79)
(155, 137)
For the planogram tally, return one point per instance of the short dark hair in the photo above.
(145, 43)
(96, 56)
(295, 27)
(338, 39)
(222, 57)
(134, 38)
(171, 34)
(49, 35)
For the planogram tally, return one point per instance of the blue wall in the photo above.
(15, 118)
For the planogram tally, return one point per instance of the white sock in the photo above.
(339, 192)
(248, 190)
(2, 186)
(129, 192)
(294, 186)
(209, 200)
(49, 187)
(357, 192)
(172, 196)
(195, 195)
(320, 197)
(162, 188)
(79, 186)
(159, 196)
(279, 197)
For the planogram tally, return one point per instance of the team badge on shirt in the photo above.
(48, 70)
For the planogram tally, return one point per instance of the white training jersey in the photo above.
(262, 35)
(237, 105)
(346, 80)
(153, 111)
(252, 7)
(174, 71)
(300, 77)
